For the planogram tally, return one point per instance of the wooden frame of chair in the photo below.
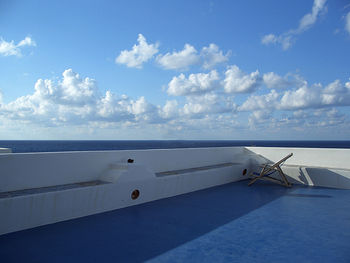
(266, 168)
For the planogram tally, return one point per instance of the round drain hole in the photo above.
(244, 172)
(135, 194)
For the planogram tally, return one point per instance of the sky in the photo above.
(149, 70)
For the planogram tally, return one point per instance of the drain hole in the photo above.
(244, 172)
(130, 160)
(135, 194)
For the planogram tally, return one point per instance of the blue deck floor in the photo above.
(230, 223)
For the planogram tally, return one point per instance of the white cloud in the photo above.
(305, 122)
(260, 118)
(347, 22)
(74, 101)
(309, 19)
(113, 108)
(12, 49)
(139, 54)
(303, 97)
(170, 109)
(260, 102)
(347, 85)
(287, 39)
(140, 106)
(274, 81)
(72, 90)
(26, 42)
(71, 99)
(209, 103)
(334, 94)
(208, 57)
(269, 39)
(179, 60)
(237, 81)
(212, 56)
(194, 84)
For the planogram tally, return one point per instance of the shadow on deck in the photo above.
(229, 223)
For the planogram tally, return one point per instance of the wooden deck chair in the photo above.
(267, 170)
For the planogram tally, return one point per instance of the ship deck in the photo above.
(228, 223)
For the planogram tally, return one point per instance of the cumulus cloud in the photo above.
(170, 109)
(69, 99)
(194, 84)
(114, 108)
(307, 21)
(275, 81)
(236, 81)
(212, 56)
(259, 118)
(318, 117)
(209, 57)
(303, 97)
(260, 102)
(12, 49)
(316, 96)
(72, 90)
(139, 54)
(209, 103)
(306, 120)
(75, 100)
(334, 94)
(179, 60)
(347, 22)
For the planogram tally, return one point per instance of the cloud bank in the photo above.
(217, 97)
(213, 100)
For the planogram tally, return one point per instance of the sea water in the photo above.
(100, 145)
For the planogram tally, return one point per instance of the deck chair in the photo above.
(267, 170)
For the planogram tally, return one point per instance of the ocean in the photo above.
(100, 145)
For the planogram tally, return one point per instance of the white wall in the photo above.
(32, 170)
(44, 169)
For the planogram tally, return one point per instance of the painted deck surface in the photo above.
(229, 223)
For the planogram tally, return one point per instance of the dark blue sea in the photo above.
(58, 146)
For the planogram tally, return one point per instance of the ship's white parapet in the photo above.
(43, 188)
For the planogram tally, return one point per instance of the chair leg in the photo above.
(265, 170)
(262, 173)
(284, 178)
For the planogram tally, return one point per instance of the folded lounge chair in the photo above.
(267, 170)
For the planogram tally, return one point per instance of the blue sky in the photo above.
(175, 69)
